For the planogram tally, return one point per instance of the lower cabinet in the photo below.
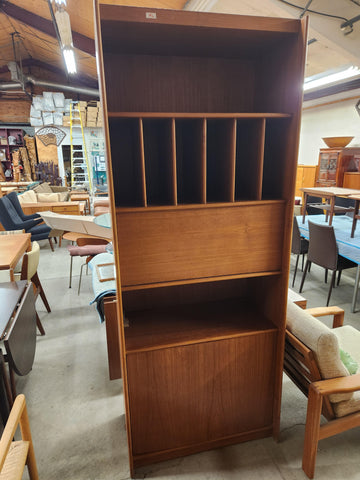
(191, 397)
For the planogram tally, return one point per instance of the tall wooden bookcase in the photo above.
(202, 117)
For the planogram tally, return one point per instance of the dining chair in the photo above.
(323, 251)
(299, 246)
(28, 272)
(85, 247)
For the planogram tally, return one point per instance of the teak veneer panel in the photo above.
(214, 377)
(160, 245)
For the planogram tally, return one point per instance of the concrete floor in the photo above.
(77, 414)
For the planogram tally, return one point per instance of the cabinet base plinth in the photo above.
(155, 457)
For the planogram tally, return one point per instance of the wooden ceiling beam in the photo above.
(81, 42)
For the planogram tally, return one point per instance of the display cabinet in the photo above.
(333, 165)
(10, 140)
(202, 116)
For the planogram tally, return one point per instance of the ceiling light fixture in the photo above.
(332, 77)
(62, 25)
(70, 62)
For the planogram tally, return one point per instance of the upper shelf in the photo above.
(195, 115)
(126, 30)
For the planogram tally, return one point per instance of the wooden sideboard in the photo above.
(64, 208)
(202, 137)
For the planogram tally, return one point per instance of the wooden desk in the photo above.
(81, 197)
(12, 247)
(64, 208)
(329, 193)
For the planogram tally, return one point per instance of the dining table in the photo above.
(329, 194)
(348, 246)
(12, 247)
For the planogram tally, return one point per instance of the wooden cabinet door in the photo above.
(226, 389)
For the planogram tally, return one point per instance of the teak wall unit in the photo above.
(202, 125)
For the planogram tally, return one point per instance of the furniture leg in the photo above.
(51, 244)
(71, 263)
(332, 207)
(305, 203)
(332, 281)
(26, 435)
(356, 212)
(12, 277)
(356, 288)
(12, 382)
(339, 276)
(296, 266)
(39, 325)
(307, 266)
(312, 430)
(81, 269)
(36, 280)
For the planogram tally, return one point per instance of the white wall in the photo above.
(334, 120)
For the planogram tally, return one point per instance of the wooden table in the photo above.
(12, 247)
(81, 197)
(64, 208)
(329, 193)
(356, 213)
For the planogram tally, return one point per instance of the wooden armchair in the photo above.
(14, 455)
(312, 361)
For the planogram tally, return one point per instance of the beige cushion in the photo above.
(349, 406)
(63, 196)
(322, 341)
(28, 197)
(43, 188)
(48, 197)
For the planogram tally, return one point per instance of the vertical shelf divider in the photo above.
(232, 154)
(142, 159)
(173, 161)
(260, 157)
(203, 161)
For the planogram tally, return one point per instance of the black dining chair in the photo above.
(323, 251)
(299, 246)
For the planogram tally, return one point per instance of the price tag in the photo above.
(150, 15)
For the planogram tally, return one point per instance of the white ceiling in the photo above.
(332, 48)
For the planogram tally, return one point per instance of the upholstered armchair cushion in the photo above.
(47, 197)
(27, 197)
(43, 188)
(322, 341)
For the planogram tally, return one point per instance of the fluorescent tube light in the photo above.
(69, 57)
(335, 77)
